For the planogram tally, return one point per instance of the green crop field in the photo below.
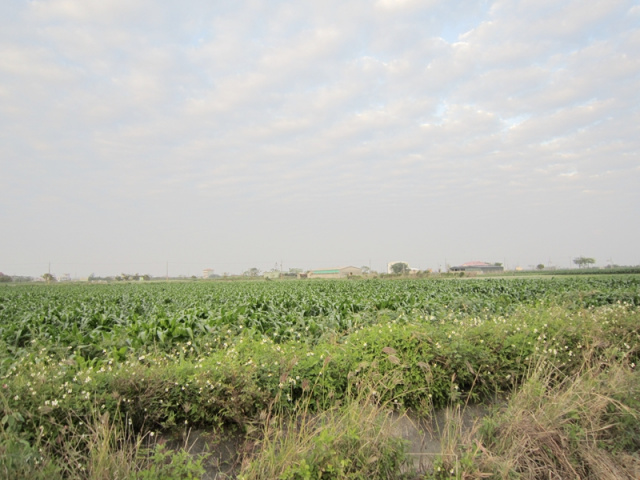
(91, 374)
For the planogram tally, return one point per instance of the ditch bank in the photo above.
(425, 440)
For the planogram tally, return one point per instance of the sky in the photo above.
(140, 135)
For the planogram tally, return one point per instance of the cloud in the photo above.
(93, 11)
(352, 115)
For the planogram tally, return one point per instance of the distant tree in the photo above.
(295, 270)
(399, 268)
(584, 261)
(252, 272)
(497, 264)
(4, 278)
(49, 278)
(540, 266)
(365, 270)
(21, 278)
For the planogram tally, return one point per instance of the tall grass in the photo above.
(580, 426)
(103, 449)
(354, 440)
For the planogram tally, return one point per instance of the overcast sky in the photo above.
(236, 134)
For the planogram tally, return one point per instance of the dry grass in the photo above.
(355, 440)
(108, 450)
(580, 426)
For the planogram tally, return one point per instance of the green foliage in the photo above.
(19, 459)
(167, 356)
(399, 268)
(584, 261)
(92, 318)
(169, 465)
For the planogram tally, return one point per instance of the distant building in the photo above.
(340, 272)
(65, 277)
(272, 275)
(207, 273)
(478, 267)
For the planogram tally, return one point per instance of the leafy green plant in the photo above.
(163, 464)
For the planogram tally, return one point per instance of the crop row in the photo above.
(130, 316)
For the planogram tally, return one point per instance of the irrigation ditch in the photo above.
(424, 439)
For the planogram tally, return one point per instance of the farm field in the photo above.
(95, 378)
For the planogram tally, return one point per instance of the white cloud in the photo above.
(402, 5)
(91, 10)
(352, 114)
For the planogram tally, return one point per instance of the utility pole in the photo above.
(167, 270)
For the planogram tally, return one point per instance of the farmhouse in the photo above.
(340, 272)
(478, 267)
